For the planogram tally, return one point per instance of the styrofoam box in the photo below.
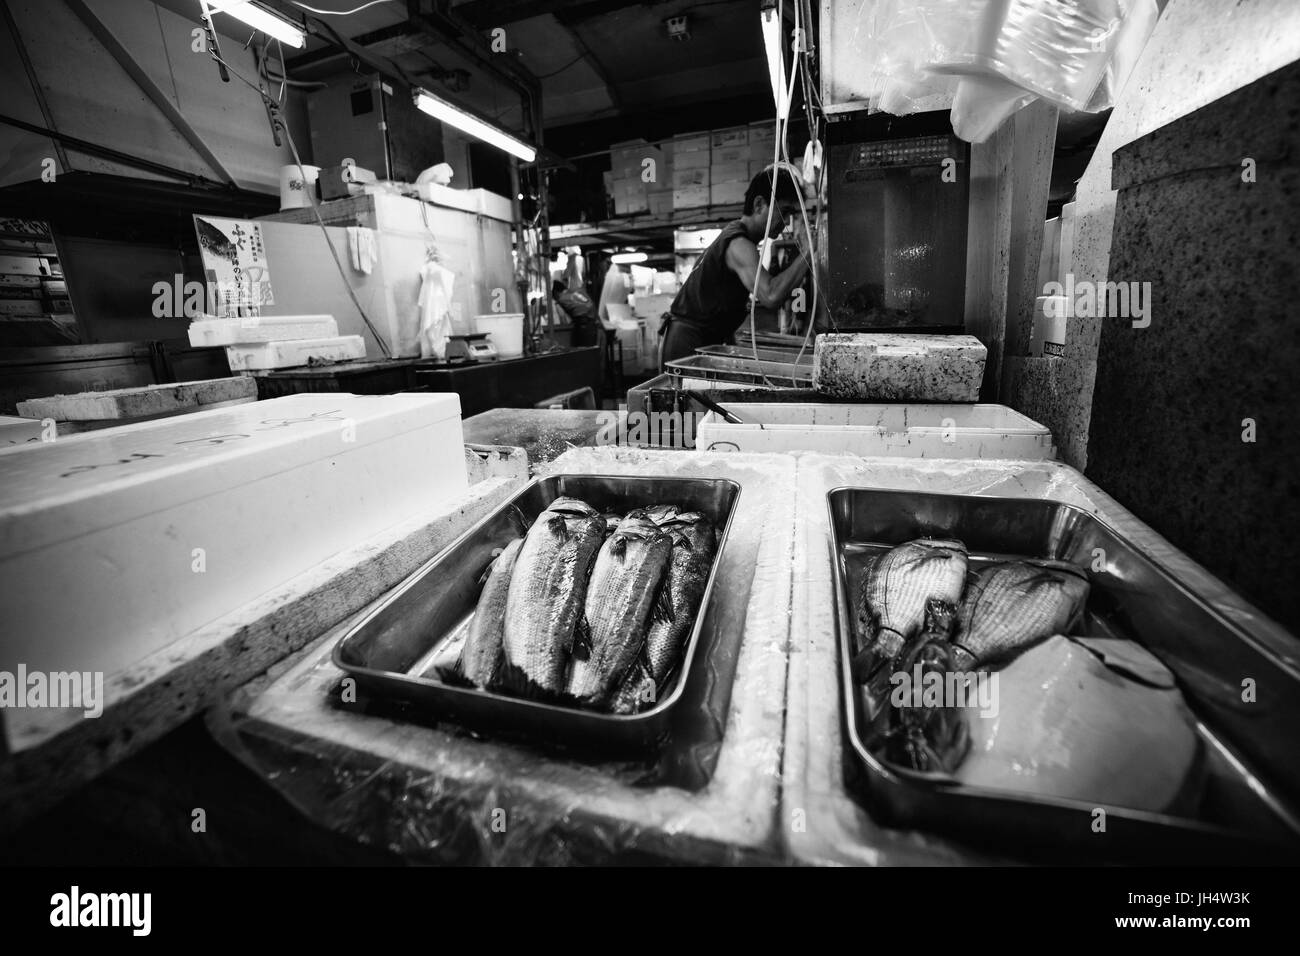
(691, 158)
(723, 193)
(691, 197)
(268, 328)
(296, 352)
(19, 431)
(690, 176)
(116, 543)
(879, 430)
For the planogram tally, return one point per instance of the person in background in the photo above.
(614, 291)
(714, 301)
(581, 312)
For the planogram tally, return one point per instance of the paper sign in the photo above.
(234, 262)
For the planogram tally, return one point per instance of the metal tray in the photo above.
(729, 369)
(422, 623)
(1250, 771)
(766, 353)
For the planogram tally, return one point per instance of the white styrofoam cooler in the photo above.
(116, 543)
(878, 430)
(268, 355)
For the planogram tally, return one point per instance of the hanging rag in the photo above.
(361, 248)
(434, 304)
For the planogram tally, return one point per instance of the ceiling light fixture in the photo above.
(775, 56)
(628, 258)
(466, 122)
(260, 18)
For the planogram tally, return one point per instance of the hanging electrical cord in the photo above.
(340, 13)
(315, 208)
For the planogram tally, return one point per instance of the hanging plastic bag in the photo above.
(434, 303)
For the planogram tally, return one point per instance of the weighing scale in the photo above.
(473, 347)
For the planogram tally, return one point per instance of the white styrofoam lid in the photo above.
(78, 484)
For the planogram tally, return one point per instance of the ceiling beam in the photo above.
(486, 14)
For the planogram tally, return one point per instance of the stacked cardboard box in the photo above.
(20, 286)
(690, 170)
(641, 177)
(729, 166)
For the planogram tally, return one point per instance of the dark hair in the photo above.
(761, 185)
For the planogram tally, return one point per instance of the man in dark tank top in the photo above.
(714, 301)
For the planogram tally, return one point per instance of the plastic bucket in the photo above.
(505, 332)
(294, 182)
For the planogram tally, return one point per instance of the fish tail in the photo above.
(512, 679)
(453, 675)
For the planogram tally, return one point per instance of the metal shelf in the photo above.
(642, 227)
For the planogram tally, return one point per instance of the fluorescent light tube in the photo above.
(467, 123)
(260, 18)
(775, 57)
(628, 258)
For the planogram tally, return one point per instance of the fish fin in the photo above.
(662, 611)
(513, 681)
(558, 527)
(453, 675)
(581, 650)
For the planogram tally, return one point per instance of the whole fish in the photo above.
(547, 590)
(624, 583)
(694, 544)
(659, 514)
(611, 522)
(932, 739)
(481, 656)
(637, 692)
(891, 604)
(1011, 605)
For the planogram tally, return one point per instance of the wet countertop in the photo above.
(544, 433)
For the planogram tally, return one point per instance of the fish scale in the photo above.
(481, 655)
(895, 589)
(548, 588)
(624, 583)
(694, 544)
(1014, 604)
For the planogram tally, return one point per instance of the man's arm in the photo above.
(768, 290)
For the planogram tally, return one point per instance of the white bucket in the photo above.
(294, 182)
(505, 332)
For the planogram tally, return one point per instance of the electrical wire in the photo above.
(574, 62)
(315, 208)
(340, 13)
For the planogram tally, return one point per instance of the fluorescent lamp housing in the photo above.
(775, 58)
(440, 109)
(260, 18)
(628, 258)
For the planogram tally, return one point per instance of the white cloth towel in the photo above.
(361, 248)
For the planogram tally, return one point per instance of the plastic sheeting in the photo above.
(993, 57)
(436, 793)
(823, 823)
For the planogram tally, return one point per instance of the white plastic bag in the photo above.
(434, 303)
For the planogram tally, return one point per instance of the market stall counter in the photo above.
(435, 791)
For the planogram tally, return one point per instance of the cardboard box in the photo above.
(761, 152)
(726, 193)
(735, 136)
(690, 197)
(629, 198)
(23, 266)
(660, 201)
(21, 307)
(729, 154)
(763, 134)
(15, 281)
(692, 159)
(691, 142)
(691, 176)
(757, 167)
(729, 173)
(115, 544)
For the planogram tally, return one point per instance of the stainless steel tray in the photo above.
(766, 353)
(730, 369)
(394, 649)
(1251, 773)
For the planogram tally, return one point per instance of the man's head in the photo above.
(759, 194)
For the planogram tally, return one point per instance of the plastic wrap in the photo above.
(995, 56)
(436, 793)
(823, 822)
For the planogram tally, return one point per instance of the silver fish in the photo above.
(694, 544)
(548, 588)
(659, 514)
(636, 693)
(1011, 605)
(481, 656)
(624, 583)
(891, 604)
